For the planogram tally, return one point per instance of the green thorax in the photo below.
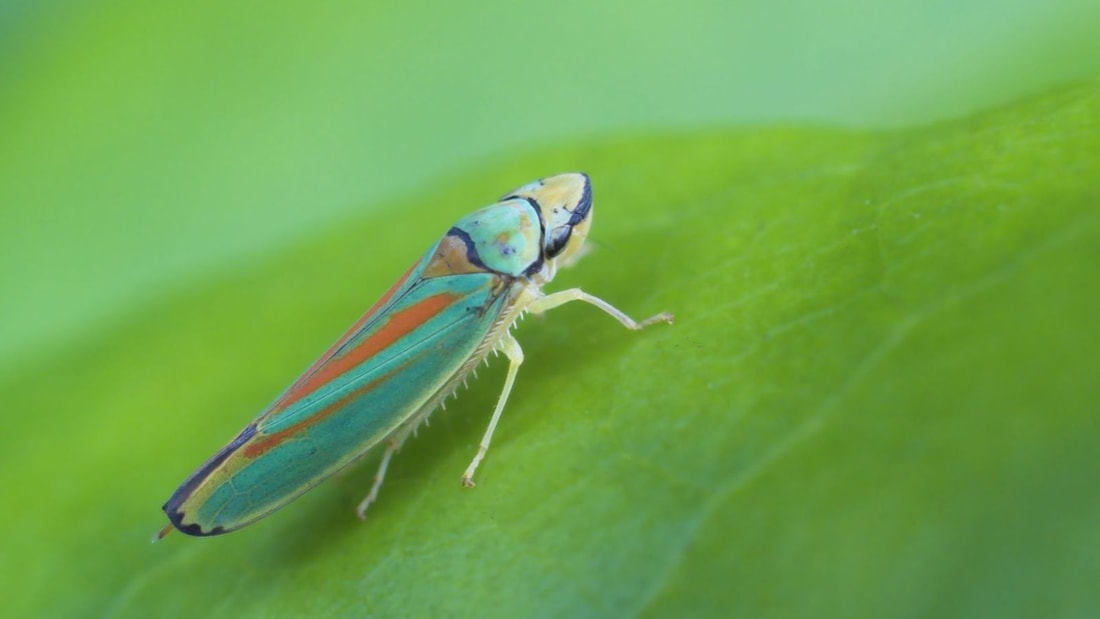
(507, 236)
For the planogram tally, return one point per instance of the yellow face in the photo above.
(565, 202)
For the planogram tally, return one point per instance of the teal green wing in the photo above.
(388, 366)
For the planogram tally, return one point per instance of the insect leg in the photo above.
(511, 349)
(391, 448)
(555, 299)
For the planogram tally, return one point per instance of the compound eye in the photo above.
(557, 240)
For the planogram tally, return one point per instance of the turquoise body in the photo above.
(390, 369)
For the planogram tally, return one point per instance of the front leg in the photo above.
(555, 299)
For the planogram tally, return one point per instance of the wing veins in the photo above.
(291, 416)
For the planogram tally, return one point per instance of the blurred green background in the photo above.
(145, 145)
(876, 222)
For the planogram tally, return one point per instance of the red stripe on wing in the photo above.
(396, 326)
(294, 392)
(263, 445)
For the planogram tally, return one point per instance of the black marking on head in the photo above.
(534, 204)
(471, 247)
(585, 204)
(538, 209)
(559, 236)
(536, 266)
(172, 507)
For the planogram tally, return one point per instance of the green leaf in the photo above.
(879, 399)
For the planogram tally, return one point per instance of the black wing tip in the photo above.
(172, 508)
(175, 516)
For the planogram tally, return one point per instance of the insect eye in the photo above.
(557, 240)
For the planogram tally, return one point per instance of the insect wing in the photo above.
(379, 374)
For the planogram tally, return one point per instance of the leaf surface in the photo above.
(878, 399)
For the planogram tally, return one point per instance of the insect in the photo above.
(397, 363)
